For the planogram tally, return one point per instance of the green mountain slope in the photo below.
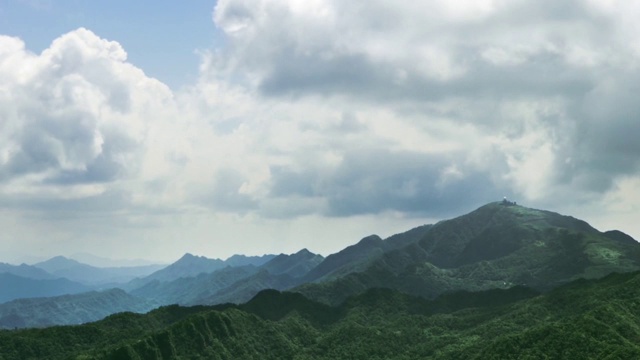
(357, 257)
(585, 319)
(495, 246)
(69, 309)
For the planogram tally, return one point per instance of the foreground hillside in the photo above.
(585, 319)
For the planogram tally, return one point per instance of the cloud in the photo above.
(72, 116)
(323, 110)
(547, 88)
(377, 180)
(425, 51)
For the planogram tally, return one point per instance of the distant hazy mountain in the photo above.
(69, 309)
(103, 262)
(294, 265)
(246, 288)
(229, 284)
(191, 266)
(190, 290)
(496, 246)
(26, 271)
(17, 287)
(280, 273)
(61, 266)
(187, 266)
(242, 260)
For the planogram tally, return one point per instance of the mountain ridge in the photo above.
(69, 309)
(493, 246)
(18, 287)
(74, 270)
(582, 319)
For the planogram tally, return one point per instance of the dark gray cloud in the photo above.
(371, 181)
(225, 193)
(285, 53)
(570, 66)
(605, 143)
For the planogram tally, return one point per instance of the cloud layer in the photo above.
(327, 109)
(548, 86)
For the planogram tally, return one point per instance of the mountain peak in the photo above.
(190, 256)
(370, 240)
(243, 260)
(57, 263)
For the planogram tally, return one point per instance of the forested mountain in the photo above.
(488, 284)
(496, 246)
(359, 256)
(585, 319)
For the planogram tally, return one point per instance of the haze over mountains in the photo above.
(61, 266)
(499, 245)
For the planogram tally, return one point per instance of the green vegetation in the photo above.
(495, 246)
(585, 319)
(502, 282)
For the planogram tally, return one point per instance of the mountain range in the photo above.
(583, 319)
(73, 270)
(495, 246)
(19, 287)
(69, 309)
(498, 256)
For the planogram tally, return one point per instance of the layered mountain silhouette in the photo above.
(61, 266)
(498, 246)
(19, 287)
(69, 309)
(191, 265)
(26, 271)
(228, 284)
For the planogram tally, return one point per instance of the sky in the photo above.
(151, 129)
